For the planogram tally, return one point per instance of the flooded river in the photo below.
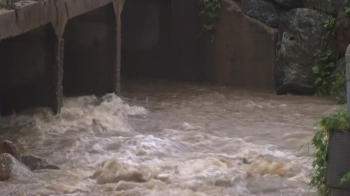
(170, 139)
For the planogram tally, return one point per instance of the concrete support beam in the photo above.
(118, 8)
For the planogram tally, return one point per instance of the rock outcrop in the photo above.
(15, 166)
(290, 3)
(300, 35)
(11, 168)
(330, 7)
(264, 11)
(8, 147)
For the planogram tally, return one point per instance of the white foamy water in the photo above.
(170, 139)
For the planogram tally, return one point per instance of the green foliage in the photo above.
(339, 86)
(329, 26)
(347, 10)
(345, 179)
(211, 11)
(338, 121)
(325, 66)
(326, 61)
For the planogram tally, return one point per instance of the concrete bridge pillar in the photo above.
(55, 48)
(26, 70)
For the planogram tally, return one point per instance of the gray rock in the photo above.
(264, 11)
(300, 35)
(290, 3)
(11, 168)
(330, 7)
(8, 147)
(35, 162)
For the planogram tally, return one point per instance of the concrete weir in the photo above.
(51, 47)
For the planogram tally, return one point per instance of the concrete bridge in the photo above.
(52, 48)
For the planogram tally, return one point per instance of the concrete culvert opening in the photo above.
(147, 39)
(27, 69)
(90, 53)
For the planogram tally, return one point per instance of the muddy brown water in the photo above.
(167, 138)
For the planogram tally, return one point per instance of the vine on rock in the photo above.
(330, 79)
(210, 13)
(325, 60)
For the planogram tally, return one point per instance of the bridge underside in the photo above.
(147, 38)
(90, 53)
(73, 48)
(55, 48)
(26, 70)
(52, 49)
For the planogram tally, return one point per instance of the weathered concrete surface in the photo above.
(243, 52)
(32, 51)
(147, 38)
(90, 53)
(186, 48)
(31, 14)
(26, 70)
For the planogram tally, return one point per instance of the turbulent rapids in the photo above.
(164, 138)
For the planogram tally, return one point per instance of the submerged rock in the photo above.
(31, 161)
(8, 147)
(301, 35)
(11, 168)
(114, 171)
(264, 11)
(35, 162)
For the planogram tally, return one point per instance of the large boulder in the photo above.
(301, 34)
(11, 168)
(264, 11)
(290, 3)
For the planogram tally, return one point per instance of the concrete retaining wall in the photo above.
(243, 52)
